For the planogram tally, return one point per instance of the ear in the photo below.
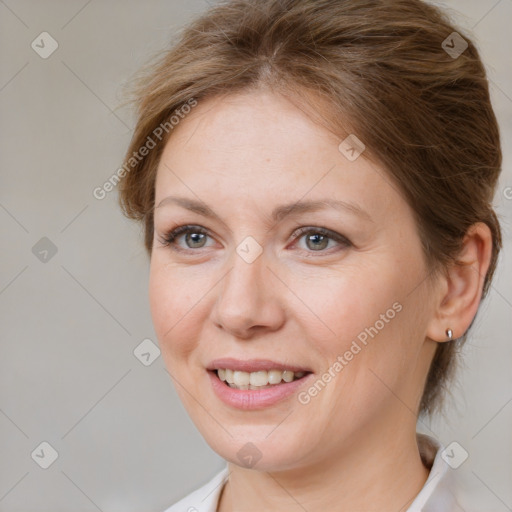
(461, 286)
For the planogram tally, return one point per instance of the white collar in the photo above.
(437, 495)
(204, 499)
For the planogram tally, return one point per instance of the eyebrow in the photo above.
(278, 213)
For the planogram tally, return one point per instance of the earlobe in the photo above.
(462, 287)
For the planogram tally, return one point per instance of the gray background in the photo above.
(68, 373)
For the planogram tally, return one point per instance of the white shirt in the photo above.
(437, 495)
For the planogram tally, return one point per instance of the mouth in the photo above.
(261, 379)
(255, 384)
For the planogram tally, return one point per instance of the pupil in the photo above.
(194, 236)
(316, 237)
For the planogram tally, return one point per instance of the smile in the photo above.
(262, 379)
(256, 389)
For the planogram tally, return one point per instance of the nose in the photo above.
(248, 300)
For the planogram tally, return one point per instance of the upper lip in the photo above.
(253, 365)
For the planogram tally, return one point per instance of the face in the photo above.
(263, 281)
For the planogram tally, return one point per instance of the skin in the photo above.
(354, 444)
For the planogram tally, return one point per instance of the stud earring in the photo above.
(449, 333)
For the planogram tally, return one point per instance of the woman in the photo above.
(315, 179)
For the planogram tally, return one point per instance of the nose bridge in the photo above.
(247, 295)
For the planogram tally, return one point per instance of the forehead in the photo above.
(259, 147)
(255, 122)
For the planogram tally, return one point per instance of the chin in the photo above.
(252, 447)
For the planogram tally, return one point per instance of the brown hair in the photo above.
(375, 68)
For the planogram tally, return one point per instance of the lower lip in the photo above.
(250, 399)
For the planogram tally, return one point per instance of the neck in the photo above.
(381, 472)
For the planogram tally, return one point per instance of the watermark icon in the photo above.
(507, 193)
(44, 455)
(146, 352)
(304, 397)
(454, 455)
(249, 249)
(351, 148)
(44, 250)
(44, 45)
(454, 45)
(249, 455)
(150, 143)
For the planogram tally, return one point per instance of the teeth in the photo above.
(274, 376)
(241, 378)
(287, 376)
(257, 380)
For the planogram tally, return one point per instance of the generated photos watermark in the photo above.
(137, 156)
(306, 396)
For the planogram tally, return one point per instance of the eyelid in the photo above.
(333, 235)
(169, 237)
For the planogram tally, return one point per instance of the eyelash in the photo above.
(169, 239)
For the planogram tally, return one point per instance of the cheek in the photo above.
(347, 303)
(174, 310)
(366, 315)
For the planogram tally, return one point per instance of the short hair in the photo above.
(396, 73)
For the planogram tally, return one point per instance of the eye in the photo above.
(317, 239)
(195, 237)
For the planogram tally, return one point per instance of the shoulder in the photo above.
(204, 499)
